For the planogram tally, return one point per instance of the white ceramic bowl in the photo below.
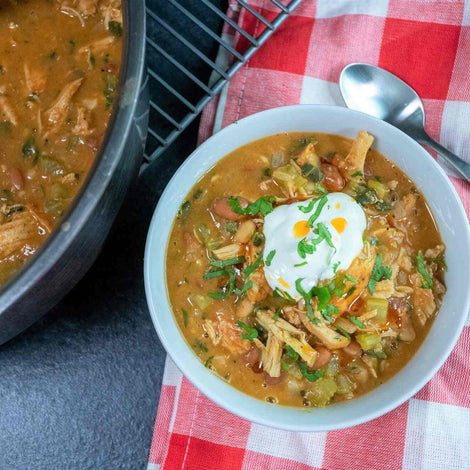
(448, 212)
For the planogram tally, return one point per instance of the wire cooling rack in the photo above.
(182, 37)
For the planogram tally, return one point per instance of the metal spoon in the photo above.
(375, 91)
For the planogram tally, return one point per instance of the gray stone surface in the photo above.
(79, 390)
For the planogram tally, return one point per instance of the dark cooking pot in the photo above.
(72, 248)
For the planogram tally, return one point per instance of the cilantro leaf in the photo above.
(251, 333)
(269, 258)
(311, 376)
(379, 272)
(321, 203)
(262, 206)
(421, 268)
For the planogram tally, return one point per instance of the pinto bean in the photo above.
(268, 380)
(333, 180)
(221, 207)
(353, 349)
(16, 178)
(323, 357)
(252, 356)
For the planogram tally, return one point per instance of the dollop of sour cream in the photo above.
(311, 240)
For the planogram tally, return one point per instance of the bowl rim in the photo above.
(203, 381)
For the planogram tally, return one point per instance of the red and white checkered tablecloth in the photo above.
(427, 44)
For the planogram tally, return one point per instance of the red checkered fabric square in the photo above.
(426, 43)
(415, 50)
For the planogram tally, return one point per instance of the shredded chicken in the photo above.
(17, 232)
(403, 210)
(6, 109)
(354, 161)
(194, 250)
(35, 79)
(260, 289)
(292, 315)
(329, 337)
(308, 155)
(83, 122)
(288, 334)
(57, 113)
(360, 269)
(228, 251)
(423, 302)
(271, 356)
(228, 334)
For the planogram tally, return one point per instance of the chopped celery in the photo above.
(50, 165)
(202, 232)
(345, 385)
(321, 392)
(201, 301)
(332, 367)
(213, 244)
(286, 173)
(368, 340)
(293, 370)
(380, 305)
(380, 189)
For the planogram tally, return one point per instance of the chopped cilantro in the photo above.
(208, 361)
(228, 262)
(251, 333)
(350, 278)
(378, 273)
(270, 257)
(421, 267)
(246, 287)
(311, 376)
(291, 352)
(300, 264)
(383, 206)
(356, 321)
(308, 208)
(262, 206)
(252, 267)
(115, 28)
(185, 318)
(321, 203)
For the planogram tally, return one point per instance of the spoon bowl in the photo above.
(379, 93)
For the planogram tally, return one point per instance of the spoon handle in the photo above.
(456, 162)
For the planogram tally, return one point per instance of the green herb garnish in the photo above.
(251, 333)
(208, 361)
(200, 345)
(343, 332)
(378, 273)
(321, 203)
(262, 206)
(291, 352)
(185, 318)
(228, 262)
(383, 206)
(311, 376)
(300, 264)
(115, 28)
(270, 257)
(308, 208)
(421, 267)
(350, 278)
(252, 267)
(356, 321)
